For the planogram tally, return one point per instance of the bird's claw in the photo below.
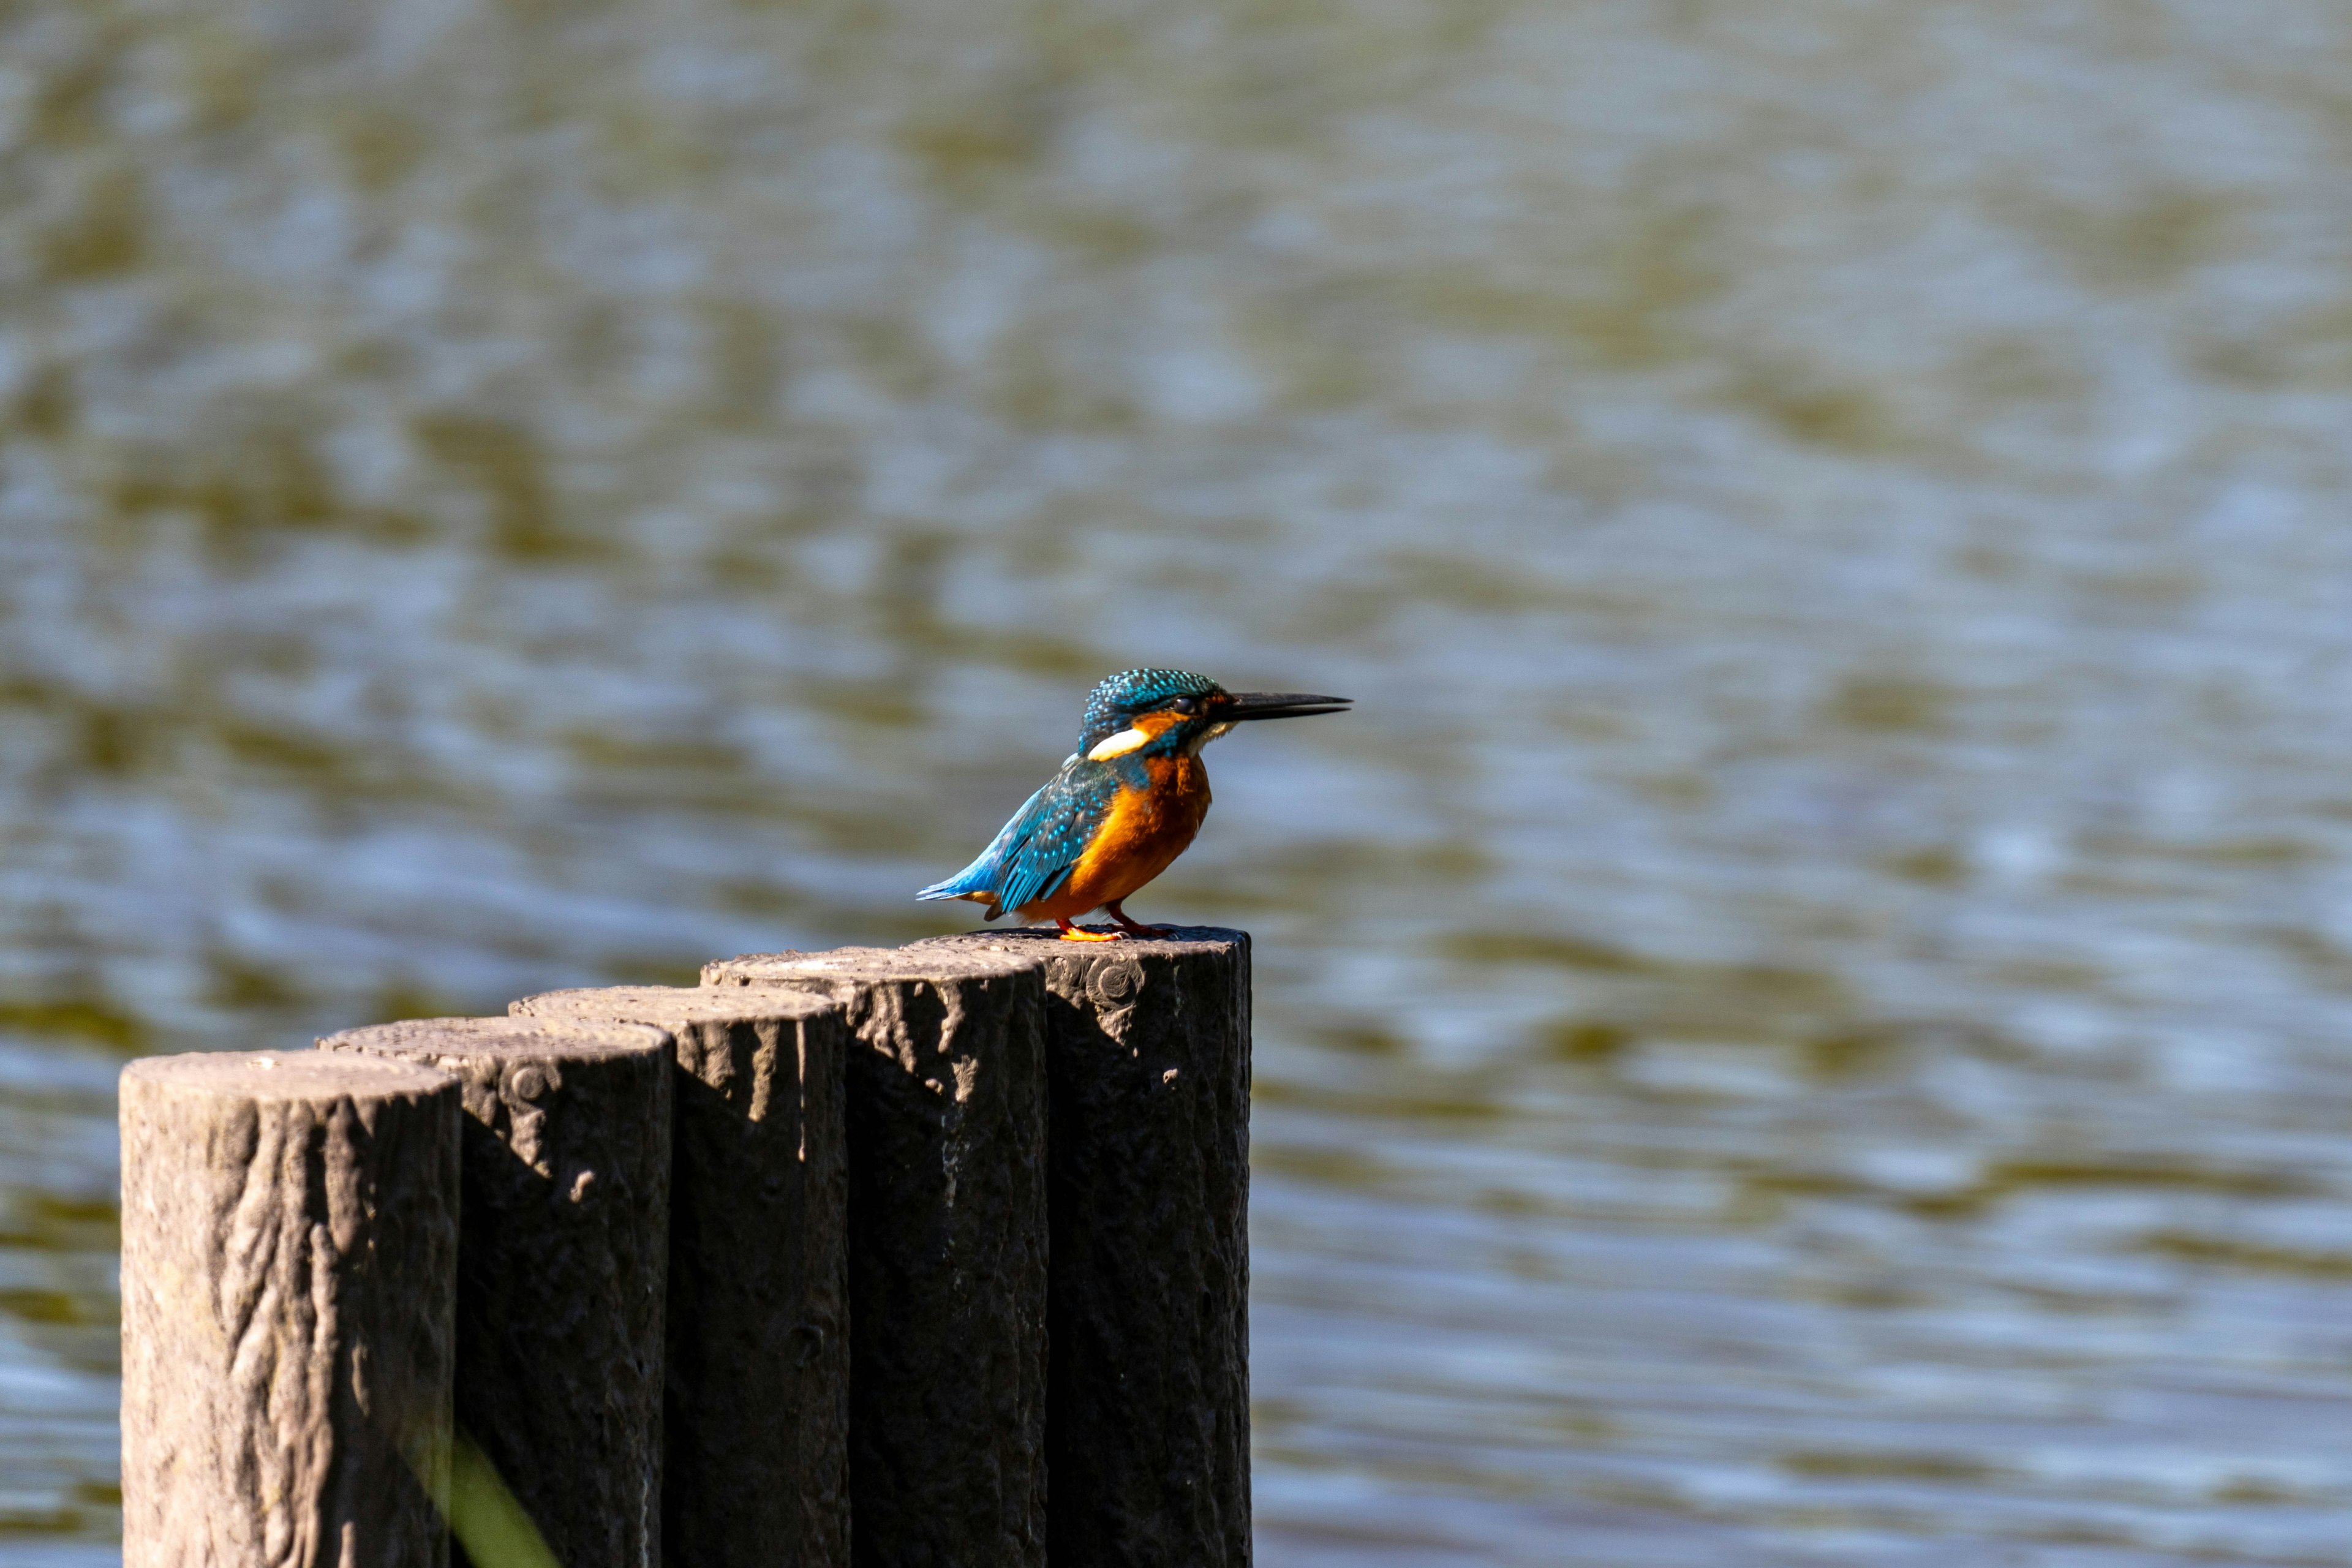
(1135, 928)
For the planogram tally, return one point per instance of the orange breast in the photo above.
(1145, 831)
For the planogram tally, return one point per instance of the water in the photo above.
(1805, 1020)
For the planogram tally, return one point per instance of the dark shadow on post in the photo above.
(946, 1249)
(561, 1262)
(756, 1413)
(1148, 1061)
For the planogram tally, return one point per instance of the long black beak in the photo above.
(1281, 705)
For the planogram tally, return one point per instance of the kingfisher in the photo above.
(1125, 804)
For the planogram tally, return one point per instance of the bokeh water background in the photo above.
(1808, 1017)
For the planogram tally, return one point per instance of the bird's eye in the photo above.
(1185, 705)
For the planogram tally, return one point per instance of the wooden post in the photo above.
(290, 1250)
(1148, 1060)
(564, 1246)
(756, 1417)
(946, 1249)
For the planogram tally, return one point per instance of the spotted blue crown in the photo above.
(1114, 704)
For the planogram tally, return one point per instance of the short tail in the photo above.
(975, 882)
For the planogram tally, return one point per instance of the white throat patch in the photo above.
(1212, 732)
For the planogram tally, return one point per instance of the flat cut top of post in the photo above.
(674, 1005)
(1040, 943)
(499, 1038)
(853, 964)
(284, 1075)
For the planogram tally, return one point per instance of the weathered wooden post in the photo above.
(1148, 1061)
(755, 1419)
(947, 1248)
(563, 1245)
(289, 1247)
(1017, 1168)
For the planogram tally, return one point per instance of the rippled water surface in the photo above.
(1808, 1017)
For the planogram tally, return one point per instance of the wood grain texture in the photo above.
(563, 1264)
(946, 1249)
(756, 1414)
(1148, 1061)
(289, 1251)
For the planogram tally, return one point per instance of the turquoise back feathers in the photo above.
(1033, 855)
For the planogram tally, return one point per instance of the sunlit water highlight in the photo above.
(1803, 1021)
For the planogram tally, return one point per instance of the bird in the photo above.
(1124, 805)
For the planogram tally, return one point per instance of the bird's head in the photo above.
(1174, 712)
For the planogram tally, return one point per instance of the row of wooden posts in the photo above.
(932, 1256)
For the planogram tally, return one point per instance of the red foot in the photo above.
(1072, 933)
(1130, 927)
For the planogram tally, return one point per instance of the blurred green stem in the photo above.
(485, 1517)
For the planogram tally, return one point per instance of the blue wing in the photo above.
(1034, 854)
